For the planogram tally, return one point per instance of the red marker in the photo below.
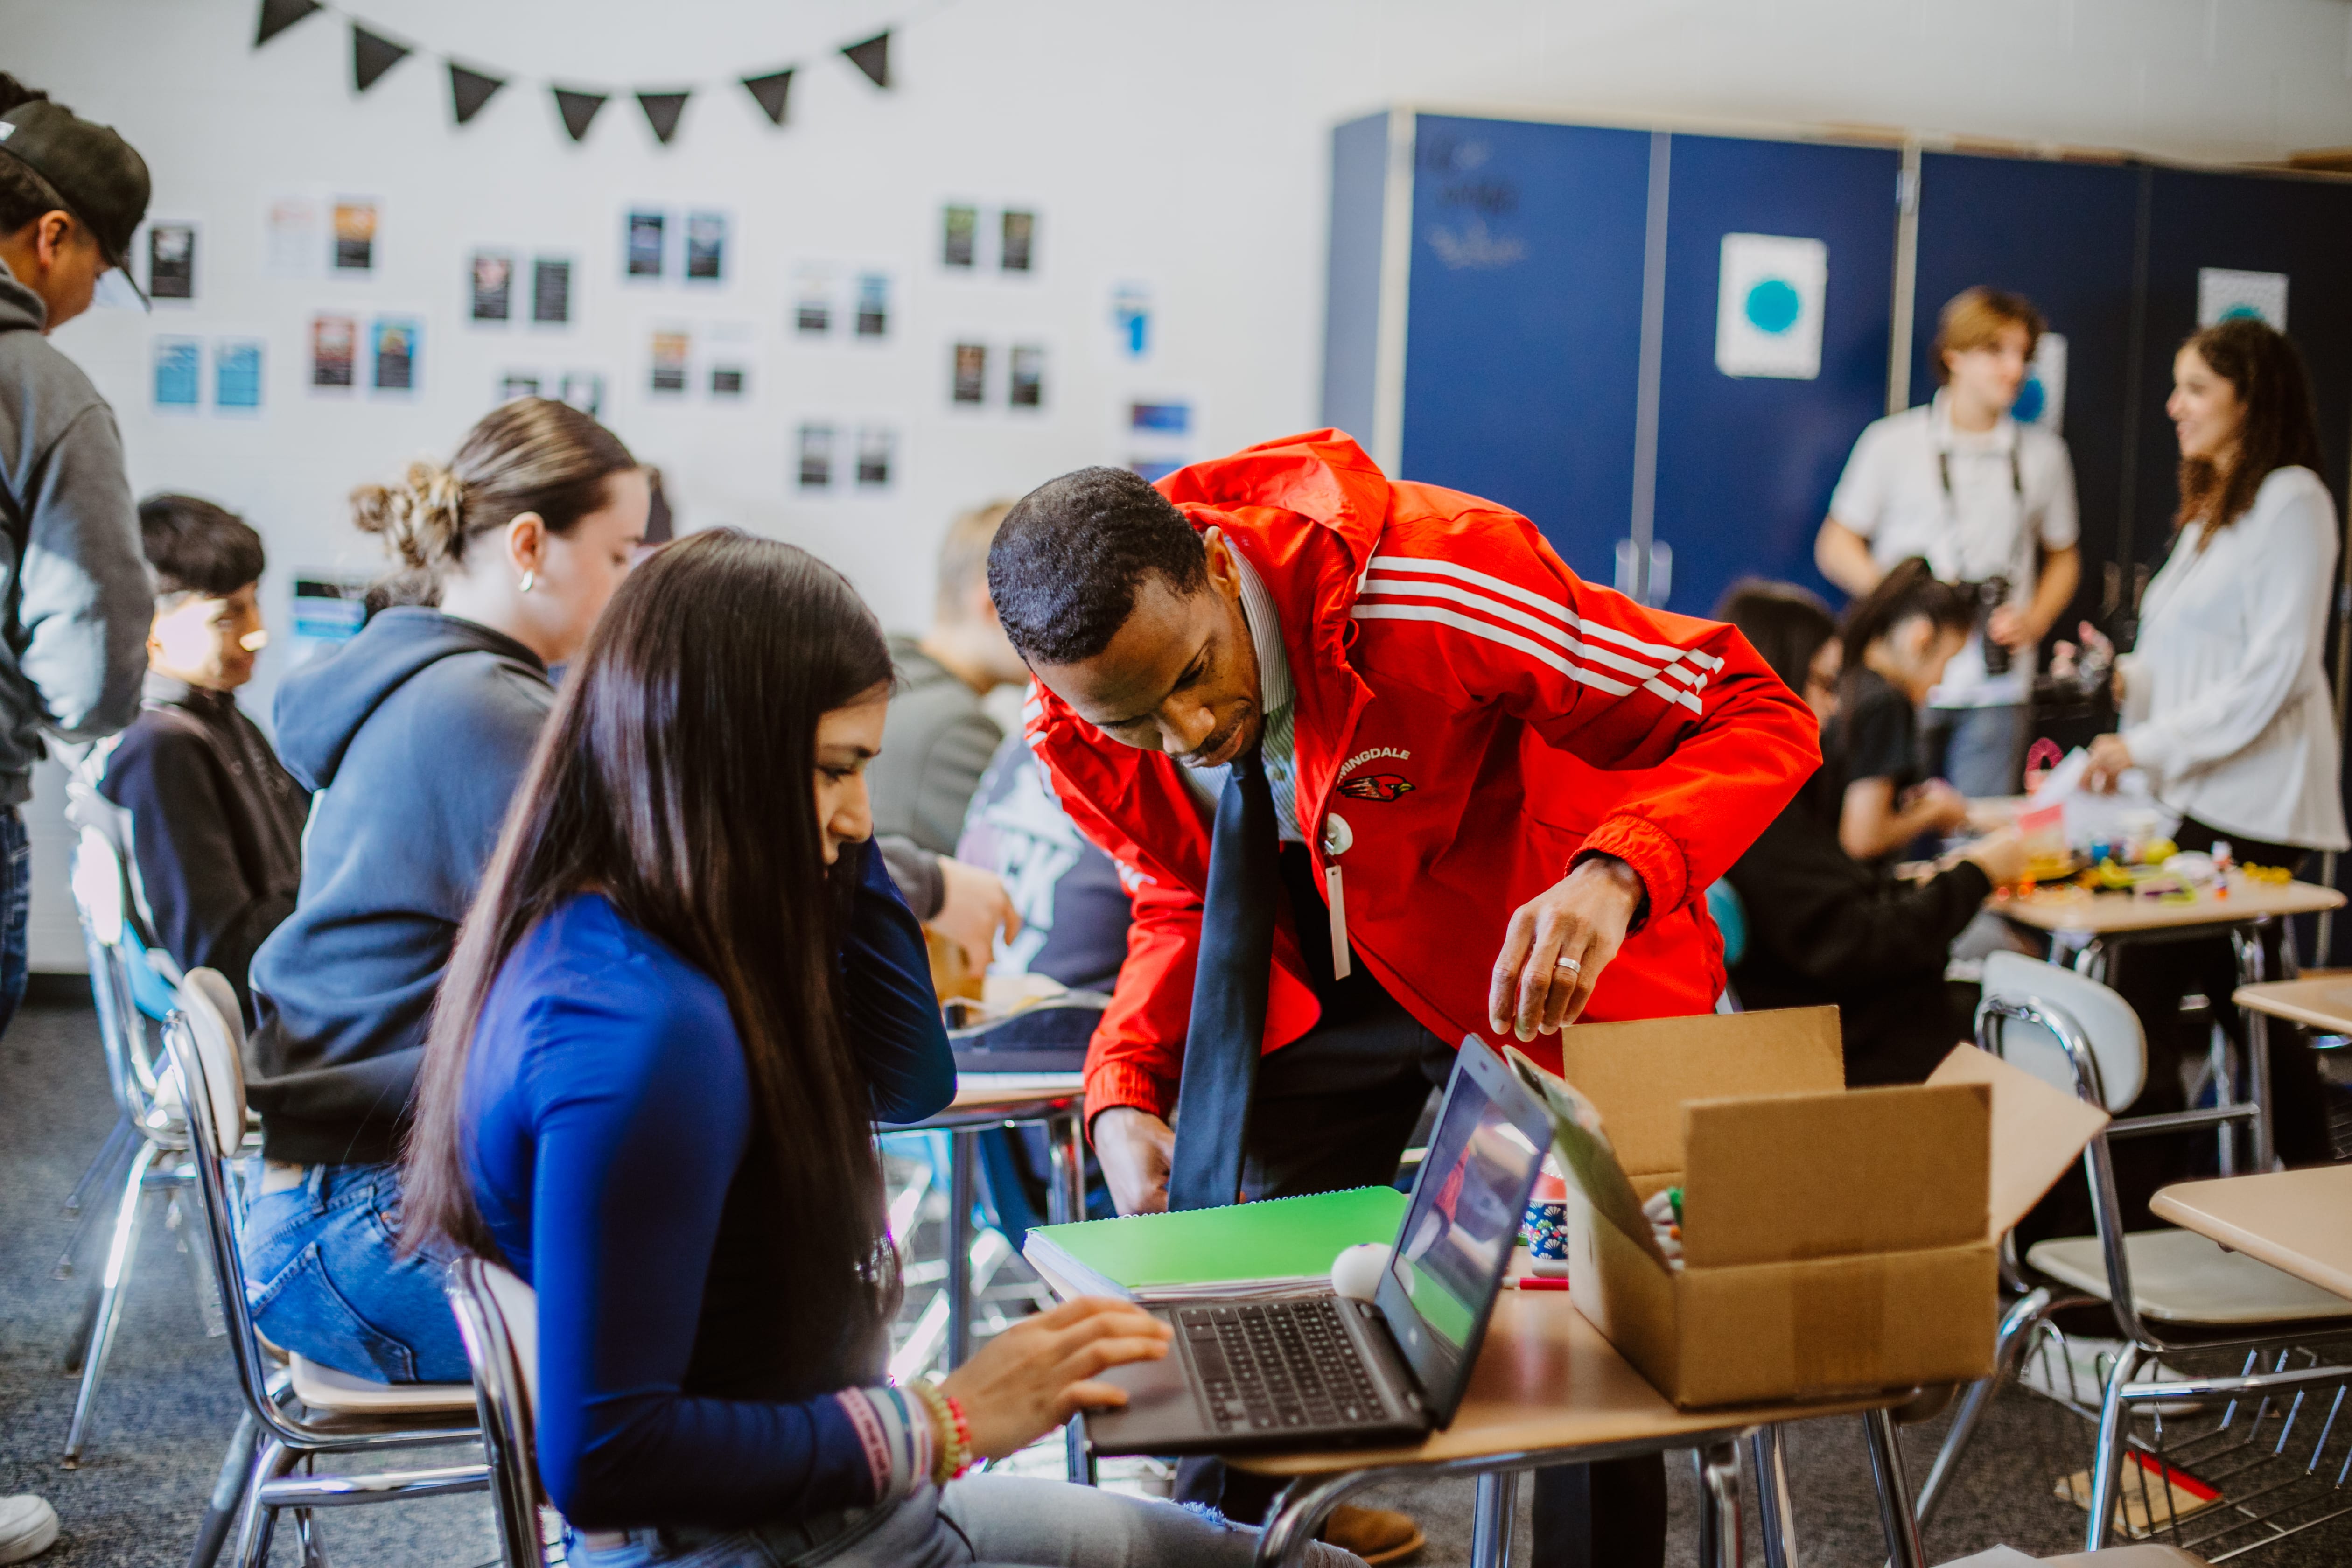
(1534, 1282)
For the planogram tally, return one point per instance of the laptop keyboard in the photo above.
(1270, 1366)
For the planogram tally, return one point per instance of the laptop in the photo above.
(1320, 1370)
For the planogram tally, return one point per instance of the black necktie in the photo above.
(1229, 987)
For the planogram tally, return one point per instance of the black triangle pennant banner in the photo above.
(372, 56)
(577, 109)
(469, 89)
(277, 15)
(770, 92)
(662, 109)
(873, 57)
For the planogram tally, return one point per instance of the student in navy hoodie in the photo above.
(413, 737)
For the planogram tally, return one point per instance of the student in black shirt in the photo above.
(216, 822)
(1897, 639)
(1825, 927)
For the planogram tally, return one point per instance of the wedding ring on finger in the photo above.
(1574, 966)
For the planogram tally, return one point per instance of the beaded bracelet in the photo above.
(953, 1433)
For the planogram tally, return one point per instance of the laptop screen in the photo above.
(1462, 1223)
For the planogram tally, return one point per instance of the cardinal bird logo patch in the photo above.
(1376, 786)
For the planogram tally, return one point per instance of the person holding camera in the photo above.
(1989, 502)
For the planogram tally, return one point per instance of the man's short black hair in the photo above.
(197, 547)
(1072, 553)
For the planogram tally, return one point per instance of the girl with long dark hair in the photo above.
(2225, 700)
(1898, 638)
(687, 991)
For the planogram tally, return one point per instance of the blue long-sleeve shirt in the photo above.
(609, 1114)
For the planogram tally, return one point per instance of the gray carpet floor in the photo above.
(169, 1399)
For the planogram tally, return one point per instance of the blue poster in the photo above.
(236, 375)
(178, 372)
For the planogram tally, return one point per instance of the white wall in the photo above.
(1180, 144)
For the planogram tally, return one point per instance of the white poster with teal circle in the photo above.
(1768, 312)
(2224, 295)
(2041, 397)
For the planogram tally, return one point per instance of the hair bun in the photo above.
(422, 518)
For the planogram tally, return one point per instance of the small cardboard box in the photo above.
(1834, 1241)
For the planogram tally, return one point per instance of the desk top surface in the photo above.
(1548, 1380)
(2298, 1222)
(982, 1090)
(2322, 1001)
(2072, 911)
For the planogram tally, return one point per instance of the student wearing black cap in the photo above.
(74, 589)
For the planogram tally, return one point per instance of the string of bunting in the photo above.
(373, 54)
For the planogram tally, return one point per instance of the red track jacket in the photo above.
(1470, 719)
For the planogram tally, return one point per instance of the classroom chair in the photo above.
(297, 1412)
(146, 1150)
(498, 1316)
(2173, 1293)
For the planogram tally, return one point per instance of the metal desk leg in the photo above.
(1491, 1514)
(1719, 1505)
(964, 1152)
(2248, 941)
(1893, 1491)
(1776, 1514)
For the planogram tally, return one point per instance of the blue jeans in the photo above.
(981, 1520)
(1981, 750)
(15, 904)
(324, 1277)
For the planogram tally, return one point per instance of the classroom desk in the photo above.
(2298, 1222)
(2085, 930)
(1548, 1389)
(2321, 1002)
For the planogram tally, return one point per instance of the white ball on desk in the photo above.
(1356, 1273)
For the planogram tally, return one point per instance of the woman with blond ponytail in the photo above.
(413, 737)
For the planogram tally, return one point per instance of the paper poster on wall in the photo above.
(968, 375)
(172, 261)
(647, 234)
(493, 285)
(396, 342)
(816, 458)
(179, 374)
(727, 350)
(1025, 384)
(669, 355)
(729, 383)
(550, 291)
(1130, 319)
(334, 352)
(355, 224)
(290, 237)
(812, 303)
(877, 451)
(329, 608)
(2042, 398)
(236, 375)
(583, 390)
(1156, 431)
(705, 247)
(517, 384)
(1018, 250)
(2223, 295)
(960, 235)
(1768, 306)
(873, 323)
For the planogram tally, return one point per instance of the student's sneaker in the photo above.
(1377, 1535)
(28, 1527)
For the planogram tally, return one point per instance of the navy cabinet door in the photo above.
(1746, 464)
(2063, 236)
(1523, 323)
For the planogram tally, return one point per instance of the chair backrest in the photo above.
(2118, 1047)
(498, 1317)
(216, 1028)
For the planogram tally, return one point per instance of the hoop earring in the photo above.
(530, 581)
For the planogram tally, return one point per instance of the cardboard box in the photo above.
(1834, 1241)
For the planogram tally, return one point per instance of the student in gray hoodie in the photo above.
(413, 737)
(75, 593)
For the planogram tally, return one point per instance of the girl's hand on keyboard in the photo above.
(1038, 1374)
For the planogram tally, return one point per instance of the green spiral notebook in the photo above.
(1276, 1247)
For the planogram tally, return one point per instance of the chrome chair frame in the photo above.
(503, 1390)
(284, 1438)
(2025, 1320)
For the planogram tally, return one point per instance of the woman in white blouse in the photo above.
(2225, 704)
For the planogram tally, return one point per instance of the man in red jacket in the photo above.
(1499, 795)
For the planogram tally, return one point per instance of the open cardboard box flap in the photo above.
(2037, 1132)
